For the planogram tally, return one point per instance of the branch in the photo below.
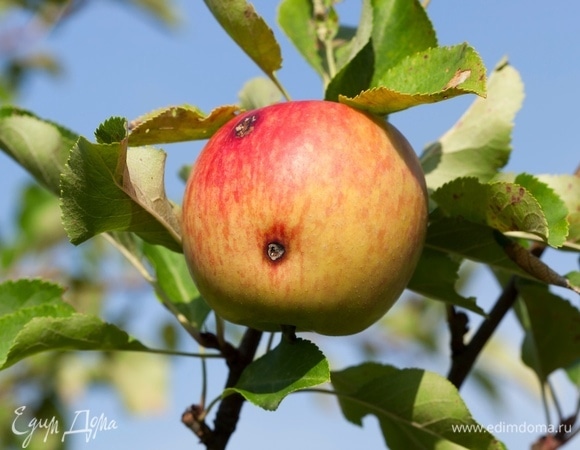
(463, 360)
(228, 412)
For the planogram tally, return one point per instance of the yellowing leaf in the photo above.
(178, 124)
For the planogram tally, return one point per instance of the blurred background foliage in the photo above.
(36, 245)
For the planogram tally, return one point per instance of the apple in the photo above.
(306, 214)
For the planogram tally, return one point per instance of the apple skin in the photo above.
(307, 213)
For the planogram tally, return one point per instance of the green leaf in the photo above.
(502, 206)
(348, 382)
(430, 76)
(435, 277)
(37, 226)
(552, 326)
(176, 285)
(389, 31)
(349, 42)
(573, 372)
(553, 207)
(259, 92)
(316, 33)
(354, 77)
(574, 279)
(106, 187)
(289, 367)
(40, 146)
(415, 408)
(34, 318)
(479, 143)
(249, 30)
(567, 187)
(178, 124)
(296, 20)
(400, 29)
(111, 130)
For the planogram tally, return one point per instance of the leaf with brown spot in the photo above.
(429, 76)
(500, 205)
(178, 124)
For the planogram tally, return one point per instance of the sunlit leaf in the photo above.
(40, 146)
(401, 28)
(568, 189)
(323, 42)
(553, 207)
(479, 143)
(429, 76)
(296, 19)
(289, 367)
(389, 31)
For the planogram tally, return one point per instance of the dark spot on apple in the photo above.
(275, 251)
(245, 126)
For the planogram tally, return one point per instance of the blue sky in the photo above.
(118, 63)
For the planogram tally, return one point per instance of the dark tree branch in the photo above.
(463, 361)
(228, 412)
(458, 328)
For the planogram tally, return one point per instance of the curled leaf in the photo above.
(178, 124)
(107, 187)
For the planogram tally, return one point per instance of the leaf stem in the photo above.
(178, 353)
(328, 50)
(280, 87)
(138, 264)
(554, 397)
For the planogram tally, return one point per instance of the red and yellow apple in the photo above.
(309, 214)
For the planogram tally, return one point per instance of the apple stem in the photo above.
(289, 333)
